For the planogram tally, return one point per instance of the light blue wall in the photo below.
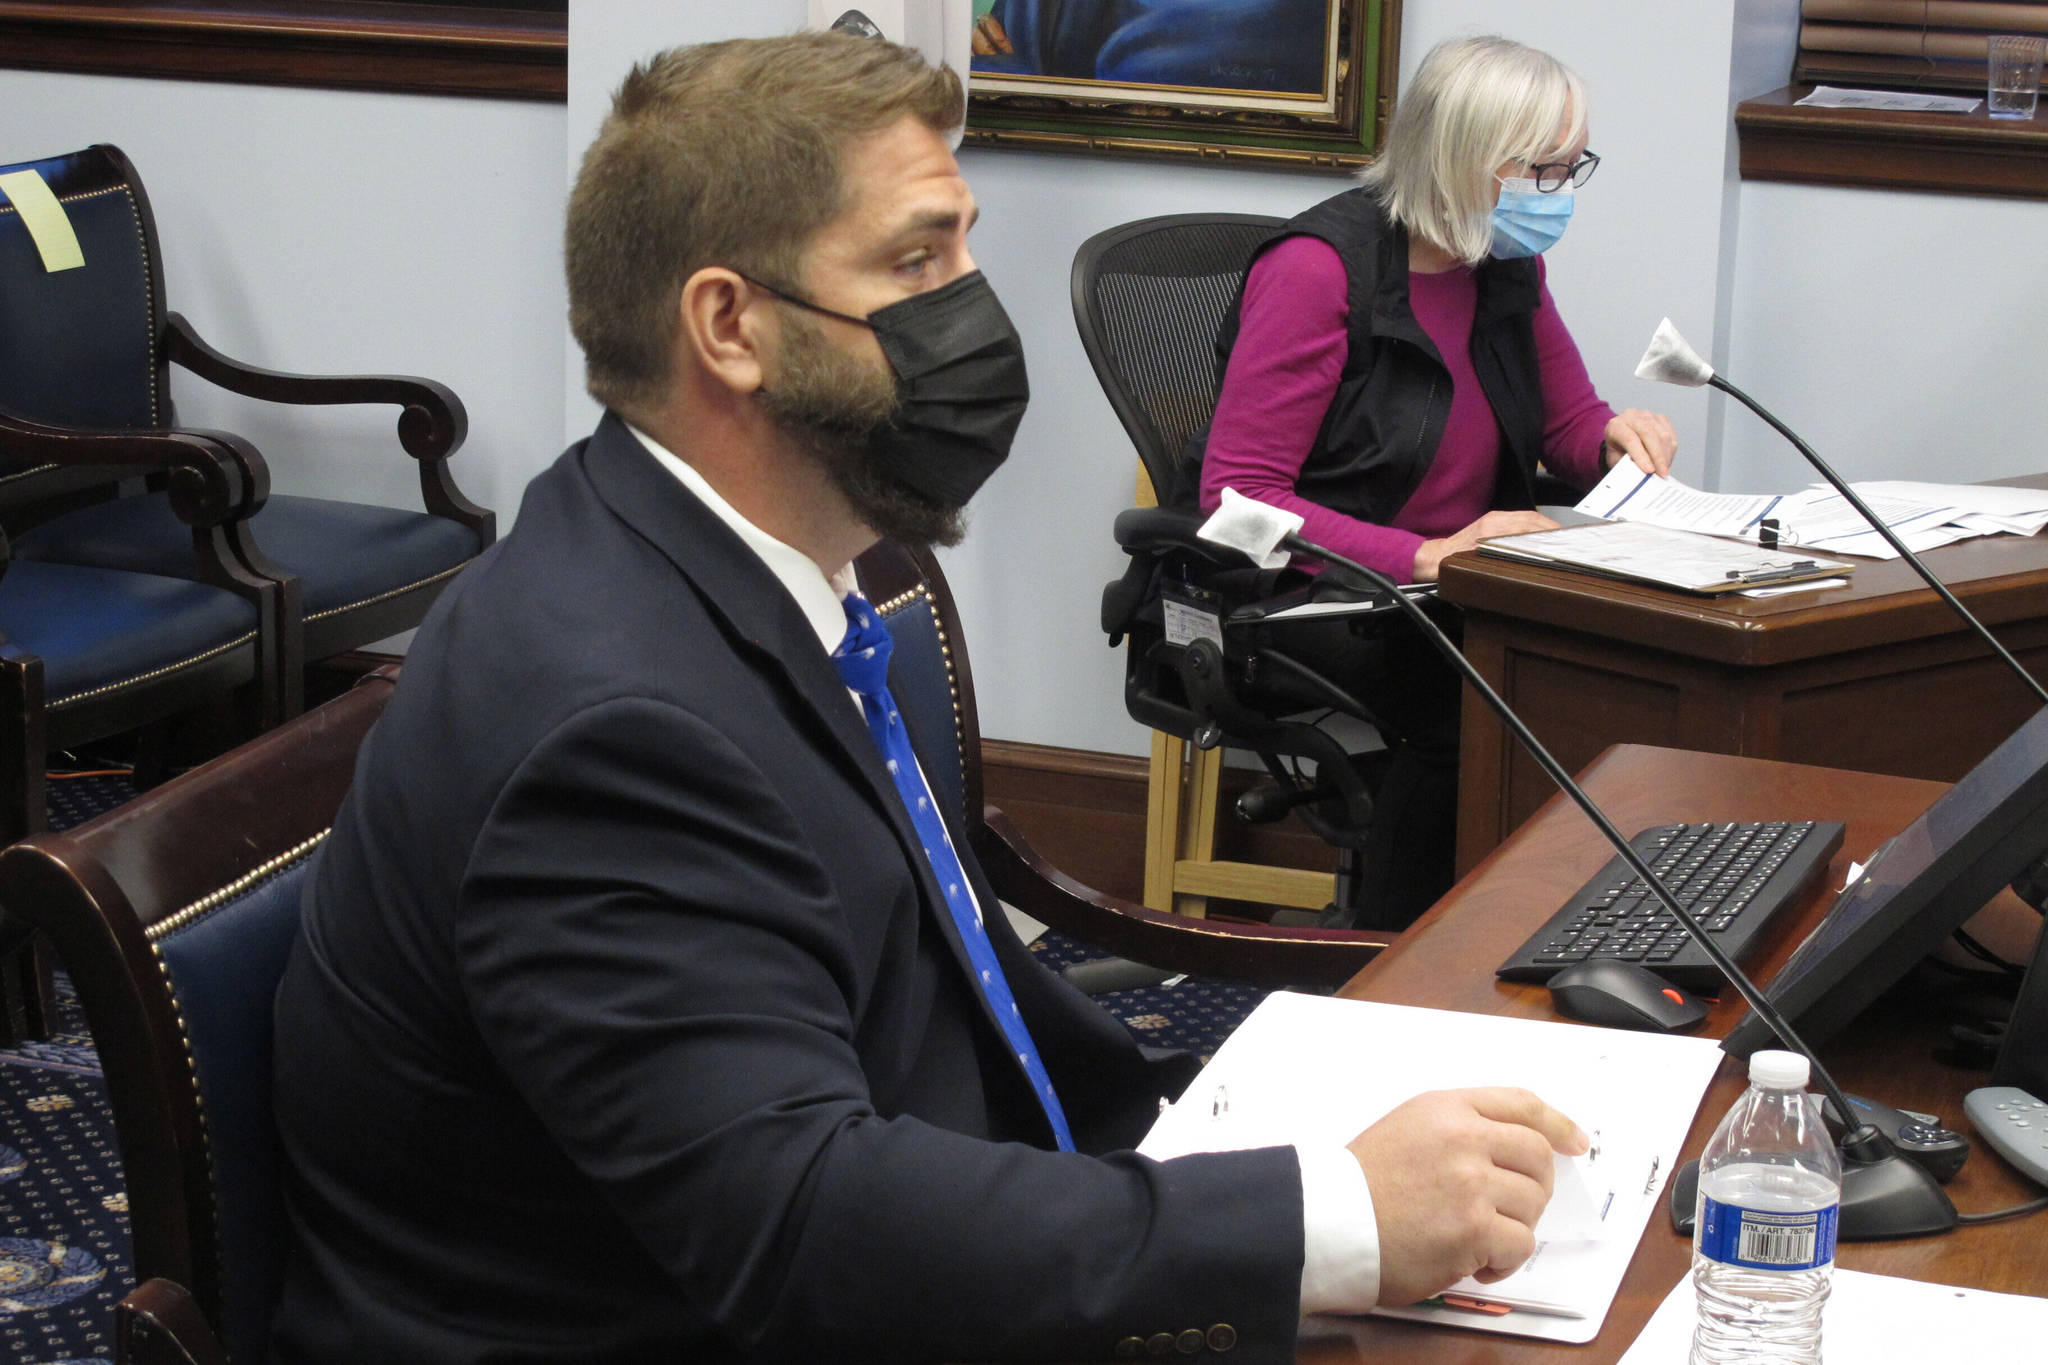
(341, 232)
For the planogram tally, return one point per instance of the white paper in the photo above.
(1310, 1070)
(1925, 516)
(1629, 493)
(1992, 499)
(1880, 1318)
(1911, 101)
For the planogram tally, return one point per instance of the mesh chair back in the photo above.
(1149, 297)
(80, 346)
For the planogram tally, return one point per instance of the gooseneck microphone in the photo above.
(1884, 1195)
(1670, 360)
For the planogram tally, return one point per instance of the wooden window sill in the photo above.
(1946, 153)
(432, 49)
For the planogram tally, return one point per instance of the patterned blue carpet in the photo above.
(63, 1214)
(64, 1239)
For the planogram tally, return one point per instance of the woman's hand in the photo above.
(1431, 553)
(1645, 437)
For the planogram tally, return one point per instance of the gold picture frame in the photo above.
(1153, 91)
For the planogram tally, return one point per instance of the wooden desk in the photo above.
(1448, 962)
(1877, 676)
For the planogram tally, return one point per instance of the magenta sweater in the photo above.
(1290, 351)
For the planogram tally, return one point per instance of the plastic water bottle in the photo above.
(1764, 1238)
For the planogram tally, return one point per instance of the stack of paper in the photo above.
(1877, 1317)
(1313, 1071)
(1923, 515)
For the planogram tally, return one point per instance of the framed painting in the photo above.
(1304, 84)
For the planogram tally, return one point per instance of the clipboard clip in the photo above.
(1772, 574)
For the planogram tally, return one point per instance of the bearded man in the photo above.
(640, 1009)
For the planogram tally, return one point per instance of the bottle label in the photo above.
(1766, 1241)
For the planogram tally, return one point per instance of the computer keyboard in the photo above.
(1732, 878)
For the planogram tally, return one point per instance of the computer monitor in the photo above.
(1916, 890)
(2023, 1056)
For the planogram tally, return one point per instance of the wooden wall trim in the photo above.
(1944, 153)
(340, 44)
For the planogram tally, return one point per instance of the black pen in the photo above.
(1767, 575)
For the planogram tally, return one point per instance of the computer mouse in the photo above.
(1606, 990)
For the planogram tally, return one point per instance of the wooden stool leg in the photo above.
(1162, 819)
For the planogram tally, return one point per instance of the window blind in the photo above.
(1906, 44)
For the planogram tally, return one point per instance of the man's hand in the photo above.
(1432, 553)
(1648, 438)
(1458, 1180)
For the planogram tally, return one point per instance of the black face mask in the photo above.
(960, 386)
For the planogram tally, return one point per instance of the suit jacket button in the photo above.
(1222, 1337)
(1130, 1348)
(1159, 1343)
(1191, 1341)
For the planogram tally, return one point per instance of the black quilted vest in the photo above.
(1387, 416)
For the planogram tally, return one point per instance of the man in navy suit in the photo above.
(629, 1020)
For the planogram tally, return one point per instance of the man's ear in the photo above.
(721, 330)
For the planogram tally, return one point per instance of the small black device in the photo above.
(1733, 878)
(1606, 990)
(1922, 1138)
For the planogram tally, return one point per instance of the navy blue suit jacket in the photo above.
(626, 1025)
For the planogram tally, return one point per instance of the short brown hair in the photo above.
(722, 154)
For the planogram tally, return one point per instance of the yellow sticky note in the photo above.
(44, 218)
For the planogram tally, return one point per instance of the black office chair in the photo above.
(933, 684)
(92, 346)
(174, 915)
(1149, 298)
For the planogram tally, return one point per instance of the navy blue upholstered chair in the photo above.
(174, 915)
(933, 685)
(92, 348)
(89, 649)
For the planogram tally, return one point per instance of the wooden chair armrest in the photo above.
(431, 424)
(213, 476)
(160, 1324)
(1259, 954)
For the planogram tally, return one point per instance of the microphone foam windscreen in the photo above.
(1251, 528)
(1671, 361)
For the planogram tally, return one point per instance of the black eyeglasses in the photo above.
(1555, 175)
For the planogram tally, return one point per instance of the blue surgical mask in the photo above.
(1526, 221)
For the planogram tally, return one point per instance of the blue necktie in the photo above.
(863, 663)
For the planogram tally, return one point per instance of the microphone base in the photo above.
(1882, 1201)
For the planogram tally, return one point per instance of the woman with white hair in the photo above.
(1396, 372)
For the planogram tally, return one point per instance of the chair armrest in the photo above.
(213, 476)
(159, 1324)
(1259, 954)
(431, 424)
(1158, 530)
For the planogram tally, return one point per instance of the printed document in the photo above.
(1880, 1317)
(1312, 1070)
(1923, 515)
